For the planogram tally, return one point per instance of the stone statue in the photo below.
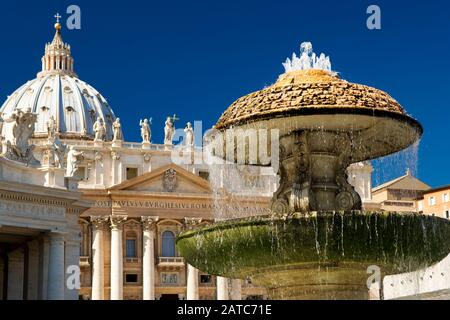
(73, 160)
(146, 131)
(59, 151)
(99, 130)
(169, 129)
(53, 154)
(189, 135)
(51, 127)
(19, 127)
(117, 130)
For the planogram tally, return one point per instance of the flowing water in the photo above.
(396, 241)
(396, 165)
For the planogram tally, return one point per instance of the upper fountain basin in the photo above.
(319, 100)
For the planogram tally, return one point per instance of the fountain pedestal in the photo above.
(312, 281)
(313, 173)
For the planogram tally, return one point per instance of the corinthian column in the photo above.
(116, 257)
(148, 259)
(192, 272)
(98, 264)
(56, 268)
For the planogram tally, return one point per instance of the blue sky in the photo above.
(194, 58)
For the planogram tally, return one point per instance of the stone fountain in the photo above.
(317, 243)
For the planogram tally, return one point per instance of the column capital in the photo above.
(191, 223)
(149, 222)
(98, 222)
(117, 221)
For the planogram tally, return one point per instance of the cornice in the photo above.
(33, 193)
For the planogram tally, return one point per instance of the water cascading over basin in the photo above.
(317, 243)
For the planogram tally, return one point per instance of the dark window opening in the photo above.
(132, 173)
(204, 174)
(205, 278)
(131, 278)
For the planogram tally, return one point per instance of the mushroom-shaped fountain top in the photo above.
(309, 96)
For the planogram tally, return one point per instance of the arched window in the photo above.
(168, 244)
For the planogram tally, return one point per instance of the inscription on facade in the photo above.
(205, 206)
(30, 210)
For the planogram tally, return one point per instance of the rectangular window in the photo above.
(445, 197)
(447, 214)
(131, 173)
(131, 278)
(169, 278)
(205, 278)
(432, 201)
(131, 248)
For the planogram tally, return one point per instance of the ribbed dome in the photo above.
(73, 103)
(57, 92)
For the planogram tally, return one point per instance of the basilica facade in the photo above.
(114, 208)
(136, 199)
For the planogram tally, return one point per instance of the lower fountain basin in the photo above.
(321, 255)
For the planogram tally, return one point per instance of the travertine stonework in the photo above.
(306, 89)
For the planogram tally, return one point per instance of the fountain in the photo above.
(317, 243)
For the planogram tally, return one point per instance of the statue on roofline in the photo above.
(169, 129)
(146, 131)
(117, 130)
(99, 130)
